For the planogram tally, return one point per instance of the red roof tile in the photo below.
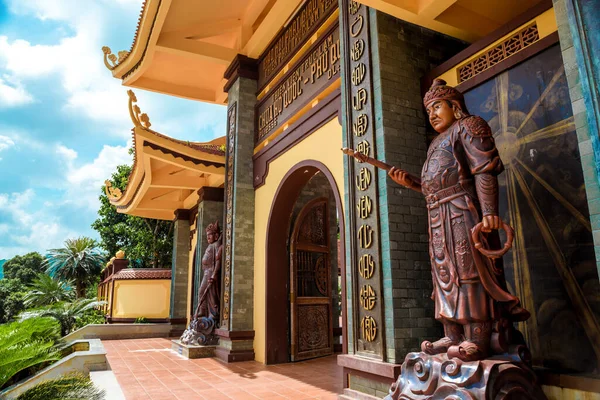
(142, 273)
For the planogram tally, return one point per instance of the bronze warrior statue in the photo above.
(460, 186)
(206, 316)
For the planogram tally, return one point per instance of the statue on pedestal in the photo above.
(460, 186)
(206, 316)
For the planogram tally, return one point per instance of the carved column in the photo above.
(179, 271)
(210, 209)
(388, 273)
(237, 329)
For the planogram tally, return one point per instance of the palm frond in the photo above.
(72, 387)
(26, 344)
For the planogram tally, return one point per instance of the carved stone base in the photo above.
(505, 377)
(191, 351)
(201, 332)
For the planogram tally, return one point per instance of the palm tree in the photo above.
(80, 260)
(26, 344)
(73, 386)
(44, 291)
(65, 313)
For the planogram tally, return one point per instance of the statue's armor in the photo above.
(210, 305)
(465, 282)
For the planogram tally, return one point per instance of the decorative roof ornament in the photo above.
(120, 255)
(110, 60)
(112, 193)
(140, 120)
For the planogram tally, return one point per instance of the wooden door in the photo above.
(310, 286)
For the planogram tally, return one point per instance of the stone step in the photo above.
(350, 394)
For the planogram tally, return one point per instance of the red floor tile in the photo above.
(147, 369)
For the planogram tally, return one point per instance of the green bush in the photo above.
(91, 316)
(72, 387)
(141, 320)
(25, 347)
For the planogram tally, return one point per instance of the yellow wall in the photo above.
(142, 298)
(558, 393)
(324, 146)
(190, 295)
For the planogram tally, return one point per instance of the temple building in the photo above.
(302, 79)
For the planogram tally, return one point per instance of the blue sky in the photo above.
(64, 123)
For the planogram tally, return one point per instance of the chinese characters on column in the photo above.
(365, 228)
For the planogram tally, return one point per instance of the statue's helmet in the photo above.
(439, 90)
(214, 228)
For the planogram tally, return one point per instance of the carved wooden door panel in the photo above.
(310, 286)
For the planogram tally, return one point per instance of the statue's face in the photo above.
(211, 237)
(441, 115)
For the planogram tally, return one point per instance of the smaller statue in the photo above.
(206, 315)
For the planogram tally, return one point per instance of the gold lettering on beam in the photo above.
(356, 26)
(358, 74)
(365, 236)
(357, 50)
(366, 266)
(364, 207)
(367, 297)
(353, 7)
(360, 126)
(368, 326)
(364, 147)
(359, 99)
(363, 180)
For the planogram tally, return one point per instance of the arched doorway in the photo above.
(278, 261)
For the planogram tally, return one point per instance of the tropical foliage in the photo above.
(11, 299)
(24, 268)
(79, 260)
(65, 313)
(26, 344)
(148, 243)
(72, 387)
(45, 290)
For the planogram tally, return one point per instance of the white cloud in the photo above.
(85, 180)
(65, 153)
(76, 60)
(12, 93)
(29, 228)
(5, 142)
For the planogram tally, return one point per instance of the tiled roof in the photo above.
(142, 273)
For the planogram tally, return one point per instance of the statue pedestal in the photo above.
(505, 377)
(191, 351)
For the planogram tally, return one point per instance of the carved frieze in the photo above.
(306, 21)
(230, 180)
(319, 67)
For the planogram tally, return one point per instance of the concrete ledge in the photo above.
(120, 331)
(93, 359)
(373, 367)
(192, 352)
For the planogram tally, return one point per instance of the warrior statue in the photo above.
(460, 185)
(206, 316)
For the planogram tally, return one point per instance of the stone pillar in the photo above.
(237, 328)
(179, 271)
(210, 209)
(395, 127)
(579, 35)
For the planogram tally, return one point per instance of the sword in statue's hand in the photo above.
(364, 158)
(398, 175)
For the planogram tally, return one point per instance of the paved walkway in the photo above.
(148, 369)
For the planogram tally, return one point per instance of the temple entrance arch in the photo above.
(278, 276)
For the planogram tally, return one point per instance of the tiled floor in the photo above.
(148, 369)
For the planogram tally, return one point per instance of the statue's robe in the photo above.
(467, 287)
(211, 262)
